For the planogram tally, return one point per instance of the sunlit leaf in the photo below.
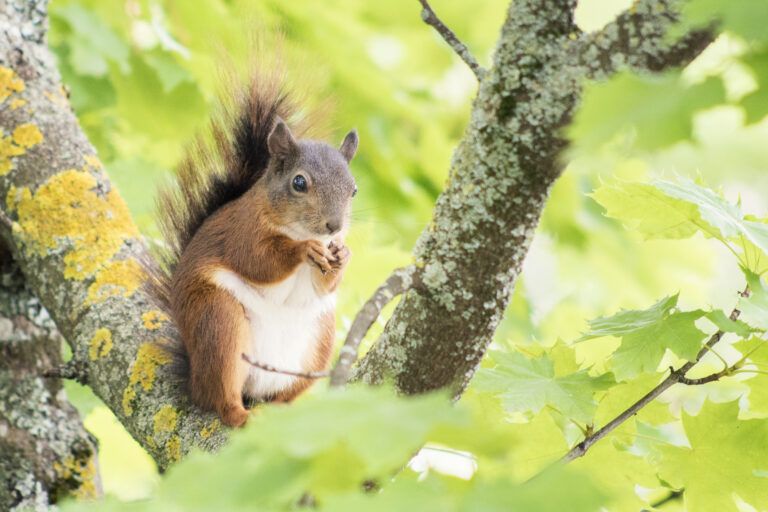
(724, 454)
(530, 384)
(629, 102)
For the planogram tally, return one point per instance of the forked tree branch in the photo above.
(430, 18)
(400, 281)
(674, 377)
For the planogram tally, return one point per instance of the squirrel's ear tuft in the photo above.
(280, 141)
(349, 146)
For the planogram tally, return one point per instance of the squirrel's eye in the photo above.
(299, 183)
(354, 192)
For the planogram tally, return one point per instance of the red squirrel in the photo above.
(255, 228)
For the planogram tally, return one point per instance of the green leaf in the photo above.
(725, 324)
(756, 351)
(530, 384)
(312, 427)
(754, 308)
(745, 18)
(663, 209)
(722, 459)
(168, 70)
(755, 104)
(630, 321)
(645, 208)
(638, 103)
(93, 43)
(645, 336)
(641, 351)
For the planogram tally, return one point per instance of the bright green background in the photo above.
(143, 77)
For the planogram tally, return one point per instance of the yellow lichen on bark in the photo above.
(9, 83)
(83, 472)
(143, 371)
(101, 344)
(165, 419)
(208, 430)
(69, 212)
(17, 103)
(173, 449)
(117, 278)
(24, 137)
(27, 135)
(153, 319)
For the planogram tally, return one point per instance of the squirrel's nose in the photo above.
(333, 226)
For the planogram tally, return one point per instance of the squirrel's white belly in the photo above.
(285, 324)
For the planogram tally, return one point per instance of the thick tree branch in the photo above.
(639, 39)
(430, 18)
(80, 251)
(674, 377)
(46, 452)
(396, 284)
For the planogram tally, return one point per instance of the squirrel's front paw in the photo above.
(319, 255)
(340, 255)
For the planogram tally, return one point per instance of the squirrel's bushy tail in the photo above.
(219, 166)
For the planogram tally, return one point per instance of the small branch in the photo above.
(675, 376)
(400, 281)
(270, 368)
(430, 18)
(672, 496)
(71, 370)
(638, 38)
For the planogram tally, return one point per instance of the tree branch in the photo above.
(80, 251)
(638, 38)
(430, 18)
(46, 453)
(272, 369)
(400, 281)
(674, 377)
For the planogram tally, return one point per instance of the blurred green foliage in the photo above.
(664, 196)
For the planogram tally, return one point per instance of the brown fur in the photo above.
(229, 210)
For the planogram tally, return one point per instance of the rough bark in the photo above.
(79, 249)
(46, 452)
(472, 252)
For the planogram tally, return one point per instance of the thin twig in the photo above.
(430, 18)
(396, 284)
(672, 496)
(674, 377)
(270, 368)
(71, 370)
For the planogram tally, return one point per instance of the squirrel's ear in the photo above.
(349, 146)
(280, 142)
